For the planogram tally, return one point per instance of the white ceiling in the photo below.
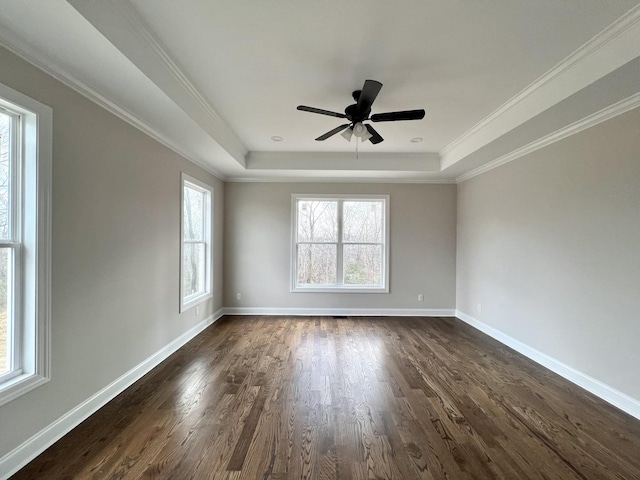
(215, 80)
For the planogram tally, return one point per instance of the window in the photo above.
(195, 281)
(25, 189)
(340, 243)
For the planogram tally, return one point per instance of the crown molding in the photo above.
(610, 49)
(30, 55)
(329, 179)
(363, 161)
(592, 120)
(121, 24)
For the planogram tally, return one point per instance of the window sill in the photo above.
(194, 302)
(18, 386)
(332, 289)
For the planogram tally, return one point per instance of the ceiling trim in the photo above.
(31, 55)
(352, 161)
(611, 48)
(592, 120)
(121, 24)
(316, 179)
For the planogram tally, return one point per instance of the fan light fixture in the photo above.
(359, 130)
(347, 134)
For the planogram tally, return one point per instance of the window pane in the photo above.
(317, 264)
(317, 221)
(5, 256)
(193, 214)
(5, 164)
(362, 221)
(362, 264)
(193, 275)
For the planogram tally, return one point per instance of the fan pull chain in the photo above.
(357, 153)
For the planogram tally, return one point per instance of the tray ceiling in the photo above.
(215, 81)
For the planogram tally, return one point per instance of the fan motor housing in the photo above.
(354, 115)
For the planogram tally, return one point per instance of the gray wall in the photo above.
(115, 251)
(550, 246)
(258, 246)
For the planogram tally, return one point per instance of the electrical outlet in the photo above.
(238, 296)
(197, 311)
(421, 298)
(479, 307)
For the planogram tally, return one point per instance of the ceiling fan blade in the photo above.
(395, 116)
(320, 111)
(331, 133)
(375, 136)
(368, 94)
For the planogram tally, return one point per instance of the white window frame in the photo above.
(191, 301)
(31, 359)
(339, 287)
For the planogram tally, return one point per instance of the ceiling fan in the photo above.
(359, 112)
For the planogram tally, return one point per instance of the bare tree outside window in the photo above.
(340, 242)
(194, 241)
(5, 176)
(362, 235)
(318, 229)
(5, 172)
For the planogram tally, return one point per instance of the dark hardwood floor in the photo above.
(277, 398)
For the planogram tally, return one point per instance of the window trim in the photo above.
(295, 288)
(190, 302)
(33, 301)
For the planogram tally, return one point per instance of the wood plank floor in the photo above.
(347, 398)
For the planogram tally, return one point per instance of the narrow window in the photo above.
(196, 237)
(25, 180)
(340, 243)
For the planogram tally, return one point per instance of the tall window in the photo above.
(25, 179)
(196, 237)
(340, 243)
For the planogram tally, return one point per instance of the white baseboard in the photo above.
(34, 446)
(610, 395)
(355, 312)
